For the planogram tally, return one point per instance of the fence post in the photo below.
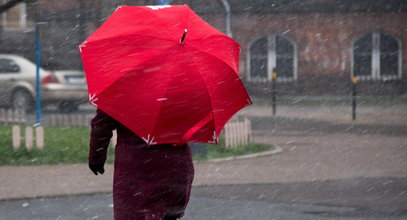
(2, 116)
(233, 134)
(66, 120)
(78, 120)
(57, 120)
(249, 130)
(22, 117)
(16, 136)
(39, 137)
(227, 134)
(245, 131)
(240, 134)
(29, 138)
(85, 121)
(9, 117)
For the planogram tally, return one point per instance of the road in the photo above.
(374, 198)
(330, 168)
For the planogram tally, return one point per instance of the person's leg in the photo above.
(181, 187)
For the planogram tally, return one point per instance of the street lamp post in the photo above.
(274, 92)
(38, 76)
(354, 96)
(38, 36)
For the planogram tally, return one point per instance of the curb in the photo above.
(267, 153)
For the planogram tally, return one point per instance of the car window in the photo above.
(8, 66)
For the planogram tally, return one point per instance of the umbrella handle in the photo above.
(181, 42)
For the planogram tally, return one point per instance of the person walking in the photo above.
(150, 182)
(183, 75)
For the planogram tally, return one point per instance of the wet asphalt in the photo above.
(347, 198)
(358, 198)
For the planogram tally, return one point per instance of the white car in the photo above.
(65, 88)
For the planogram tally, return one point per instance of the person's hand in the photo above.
(97, 168)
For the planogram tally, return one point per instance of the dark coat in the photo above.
(149, 181)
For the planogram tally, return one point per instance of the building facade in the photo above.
(314, 46)
(317, 47)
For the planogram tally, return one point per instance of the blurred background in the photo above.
(315, 46)
(329, 89)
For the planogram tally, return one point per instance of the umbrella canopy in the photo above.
(164, 73)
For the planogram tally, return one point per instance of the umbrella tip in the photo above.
(181, 42)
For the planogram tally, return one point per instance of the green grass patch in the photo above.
(68, 145)
(221, 151)
(62, 145)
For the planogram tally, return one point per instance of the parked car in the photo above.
(67, 89)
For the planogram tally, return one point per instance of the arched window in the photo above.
(20, 16)
(272, 52)
(258, 59)
(377, 55)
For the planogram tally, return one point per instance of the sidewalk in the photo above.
(326, 149)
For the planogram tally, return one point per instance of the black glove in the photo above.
(97, 168)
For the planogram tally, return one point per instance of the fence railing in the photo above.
(23, 132)
(77, 120)
(238, 133)
(12, 117)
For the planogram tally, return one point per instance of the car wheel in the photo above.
(21, 99)
(67, 106)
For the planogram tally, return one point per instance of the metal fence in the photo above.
(12, 117)
(73, 120)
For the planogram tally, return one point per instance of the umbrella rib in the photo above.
(213, 115)
(200, 124)
(165, 92)
(206, 87)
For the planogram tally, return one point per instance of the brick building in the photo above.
(315, 46)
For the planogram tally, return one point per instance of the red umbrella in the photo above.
(164, 73)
